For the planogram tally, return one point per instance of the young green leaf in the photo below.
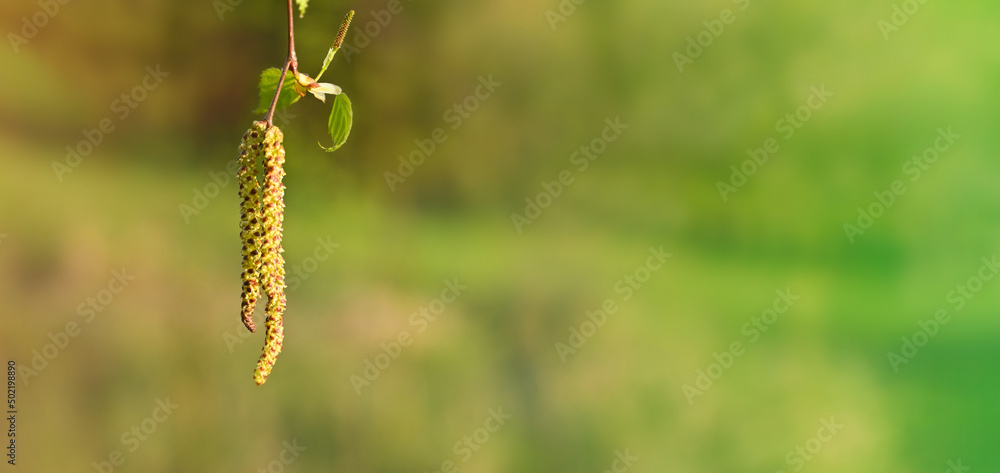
(341, 119)
(268, 82)
(302, 7)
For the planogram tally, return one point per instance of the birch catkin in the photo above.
(272, 209)
(251, 153)
(343, 30)
(262, 210)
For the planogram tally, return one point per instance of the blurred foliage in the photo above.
(165, 335)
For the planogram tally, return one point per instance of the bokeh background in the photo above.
(174, 331)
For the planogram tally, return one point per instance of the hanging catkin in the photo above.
(262, 210)
(251, 153)
(272, 209)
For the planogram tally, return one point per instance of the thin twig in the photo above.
(269, 118)
(291, 64)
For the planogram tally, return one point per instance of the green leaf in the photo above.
(341, 119)
(268, 82)
(302, 7)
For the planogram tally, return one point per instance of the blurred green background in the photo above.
(174, 330)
